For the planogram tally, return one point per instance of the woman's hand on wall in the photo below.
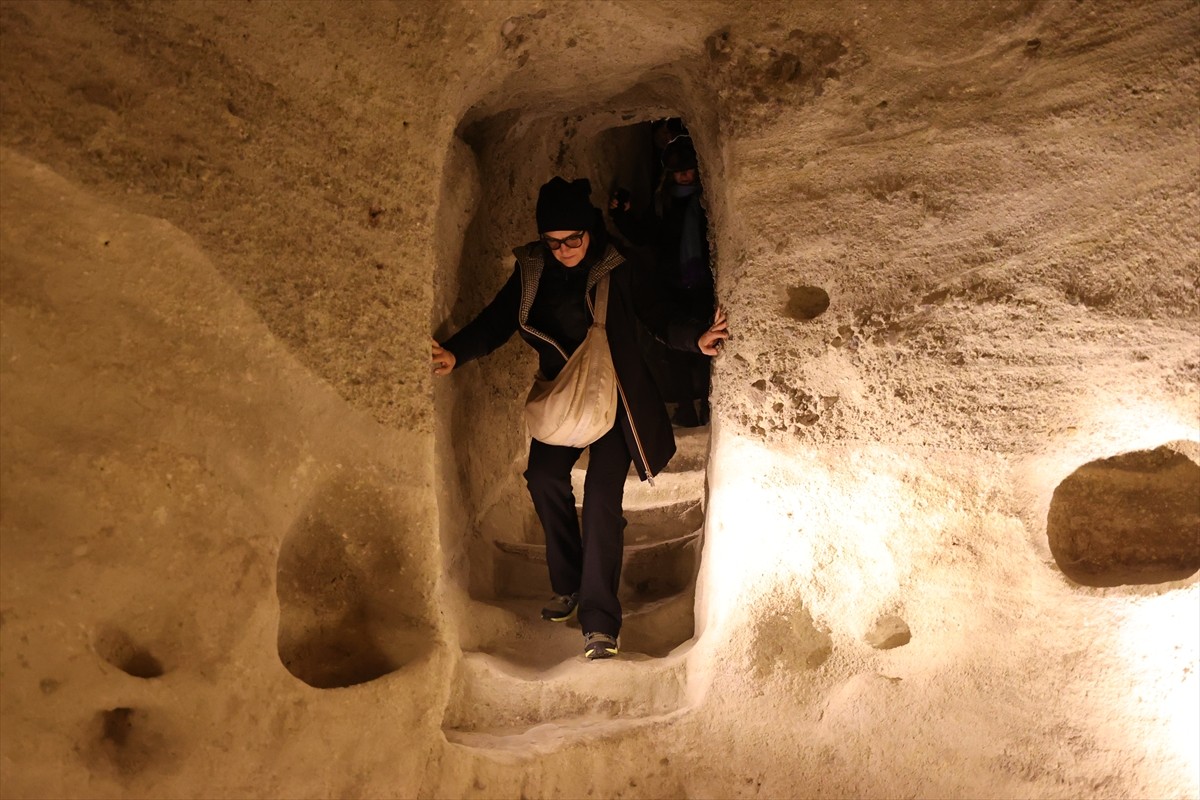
(443, 360)
(711, 340)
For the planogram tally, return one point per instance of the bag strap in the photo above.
(601, 310)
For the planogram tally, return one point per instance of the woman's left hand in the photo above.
(711, 340)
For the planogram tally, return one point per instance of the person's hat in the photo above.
(563, 206)
(679, 155)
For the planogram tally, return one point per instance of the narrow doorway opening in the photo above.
(505, 549)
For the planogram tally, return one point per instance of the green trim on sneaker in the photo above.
(561, 607)
(599, 645)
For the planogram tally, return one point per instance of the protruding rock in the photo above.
(888, 632)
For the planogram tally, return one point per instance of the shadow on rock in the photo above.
(351, 606)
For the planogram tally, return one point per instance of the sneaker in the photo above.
(599, 645)
(561, 607)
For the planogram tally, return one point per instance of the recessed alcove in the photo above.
(806, 302)
(350, 606)
(1133, 518)
(611, 142)
(115, 645)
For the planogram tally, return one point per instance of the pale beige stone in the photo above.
(251, 548)
(888, 631)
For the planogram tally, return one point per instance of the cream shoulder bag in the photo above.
(580, 405)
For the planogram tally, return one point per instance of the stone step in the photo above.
(647, 524)
(650, 569)
(691, 452)
(668, 488)
(513, 631)
(525, 743)
(673, 506)
(494, 705)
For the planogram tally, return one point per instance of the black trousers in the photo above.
(588, 562)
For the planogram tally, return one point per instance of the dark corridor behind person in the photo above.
(677, 232)
(546, 300)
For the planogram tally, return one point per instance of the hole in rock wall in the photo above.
(349, 604)
(786, 638)
(1130, 519)
(806, 302)
(116, 647)
(516, 152)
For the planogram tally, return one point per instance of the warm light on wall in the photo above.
(1159, 646)
(1111, 425)
(1106, 425)
(854, 519)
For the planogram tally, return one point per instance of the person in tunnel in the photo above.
(549, 299)
(678, 233)
(662, 133)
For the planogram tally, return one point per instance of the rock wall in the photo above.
(250, 548)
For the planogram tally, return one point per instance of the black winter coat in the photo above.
(646, 425)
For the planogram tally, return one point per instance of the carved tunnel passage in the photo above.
(515, 152)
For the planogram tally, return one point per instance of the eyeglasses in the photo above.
(571, 242)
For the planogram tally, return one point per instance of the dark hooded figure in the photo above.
(545, 299)
(678, 233)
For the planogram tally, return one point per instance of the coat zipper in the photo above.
(636, 439)
(544, 338)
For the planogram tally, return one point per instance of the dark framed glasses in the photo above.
(572, 241)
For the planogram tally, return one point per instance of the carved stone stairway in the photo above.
(525, 677)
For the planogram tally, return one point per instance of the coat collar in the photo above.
(531, 258)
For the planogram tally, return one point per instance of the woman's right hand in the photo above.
(443, 360)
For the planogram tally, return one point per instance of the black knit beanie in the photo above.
(563, 206)
(679, 155)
